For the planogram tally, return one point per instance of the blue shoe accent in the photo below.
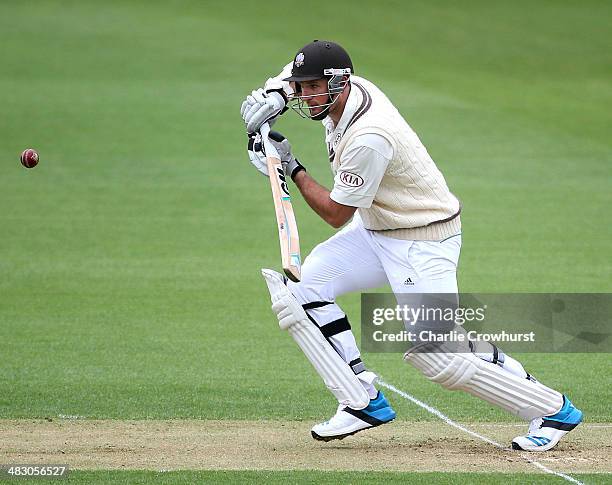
(539, 440)
(380, 409)
(566, 419)
(534, 440)
(378, 412)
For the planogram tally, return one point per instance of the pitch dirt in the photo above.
(278, 445)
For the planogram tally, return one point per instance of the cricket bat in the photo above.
(285, 218)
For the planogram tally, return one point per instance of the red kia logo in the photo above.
(351, 179)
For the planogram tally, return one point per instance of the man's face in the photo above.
(316, 88)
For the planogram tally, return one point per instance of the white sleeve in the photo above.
(362, 167)
(276, 83)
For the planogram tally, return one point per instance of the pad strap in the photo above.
(521, 397)
(336, 373)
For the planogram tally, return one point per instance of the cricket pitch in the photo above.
(287, 445)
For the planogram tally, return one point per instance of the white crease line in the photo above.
(452, 423)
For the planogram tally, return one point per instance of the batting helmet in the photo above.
(321, 59)
(318, 59)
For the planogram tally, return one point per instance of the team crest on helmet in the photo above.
(299, 59)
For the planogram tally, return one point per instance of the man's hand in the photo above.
(256, 153)
(260, 107)
(291, 165)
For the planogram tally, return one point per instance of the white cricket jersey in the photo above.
(381, 167)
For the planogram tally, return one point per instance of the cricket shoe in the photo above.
(348, 421)
(545, 432)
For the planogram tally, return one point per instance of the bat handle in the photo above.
(265, 133)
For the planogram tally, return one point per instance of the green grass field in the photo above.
(130, 256)
(139, 477)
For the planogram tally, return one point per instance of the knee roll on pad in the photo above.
(336, 373)
(466, 372)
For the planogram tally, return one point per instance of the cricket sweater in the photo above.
(413, 201)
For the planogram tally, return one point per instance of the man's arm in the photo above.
(365, 160)
(318, 199)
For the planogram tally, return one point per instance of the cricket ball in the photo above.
(29, 158)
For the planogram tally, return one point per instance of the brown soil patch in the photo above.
(278, 445)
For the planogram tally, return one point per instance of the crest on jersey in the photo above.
(299, 60)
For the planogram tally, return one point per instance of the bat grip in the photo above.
(268, 146)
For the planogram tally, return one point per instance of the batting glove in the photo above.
(260, 107)
(291, 165)
(256, 153)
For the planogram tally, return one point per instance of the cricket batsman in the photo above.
(404, 231)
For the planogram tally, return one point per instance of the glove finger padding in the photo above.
(291, 165)
(270, 105)
(250, 113)
(243, 107)
(256, 153)
(259, 112)
(282, 145)
(259, 96)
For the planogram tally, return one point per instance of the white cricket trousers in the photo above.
(356, 259)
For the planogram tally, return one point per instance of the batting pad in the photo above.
(336, 373)
(465, 371)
